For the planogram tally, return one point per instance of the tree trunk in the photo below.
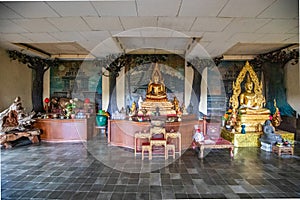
(196, 92)
(37, 89)
(112, 106)
(98, 95)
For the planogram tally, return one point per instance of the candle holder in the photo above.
(47, 100)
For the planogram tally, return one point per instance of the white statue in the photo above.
(140, 102)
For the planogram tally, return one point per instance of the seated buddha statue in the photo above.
(251, 114)
(176, 104)
(249, 102)
(156, 88)
(276, 118)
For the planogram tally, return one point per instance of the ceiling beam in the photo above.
(73, 56)
(35, 51)
(238, 57)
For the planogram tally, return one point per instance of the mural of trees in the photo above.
(39, 66)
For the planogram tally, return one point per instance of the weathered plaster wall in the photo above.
(292, 82)
(15, 80)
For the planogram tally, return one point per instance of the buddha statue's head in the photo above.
(156, 77)
(248, 84)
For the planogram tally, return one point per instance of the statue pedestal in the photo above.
(165, 107)
(251, 139)
(253, 122)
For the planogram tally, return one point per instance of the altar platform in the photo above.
(251, 139)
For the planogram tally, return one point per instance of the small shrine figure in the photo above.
(176, 104)
(140, 103)
(132, 109)
(232, 119)
(276, 118)
(11, 120)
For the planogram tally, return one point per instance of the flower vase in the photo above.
(243, 131)
(223, 122)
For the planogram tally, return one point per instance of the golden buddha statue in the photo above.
(156, 88)
(156, 96)
(249, 101)
(249, 104)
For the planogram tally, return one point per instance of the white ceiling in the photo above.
(222, 27)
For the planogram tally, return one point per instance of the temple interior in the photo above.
(140, 99)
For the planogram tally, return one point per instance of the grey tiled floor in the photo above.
(95, 170)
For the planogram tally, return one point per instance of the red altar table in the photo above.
(215, 143)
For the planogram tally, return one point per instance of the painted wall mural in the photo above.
(84, 80)
(76, 79)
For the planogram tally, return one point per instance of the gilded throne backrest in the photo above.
(236, 87)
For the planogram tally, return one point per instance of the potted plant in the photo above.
(70, 109)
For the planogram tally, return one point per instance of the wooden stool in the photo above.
(283, 150)
(175, 135)
(146, 147)
(140, 136)
(172, 148)
(159, 142)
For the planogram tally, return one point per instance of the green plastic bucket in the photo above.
(101, 118)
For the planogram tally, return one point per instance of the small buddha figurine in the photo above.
(11, 120)
(176, 104)
(232, 120)
(156, 88)
(276, 118)
(133, 109)
(248, 101)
